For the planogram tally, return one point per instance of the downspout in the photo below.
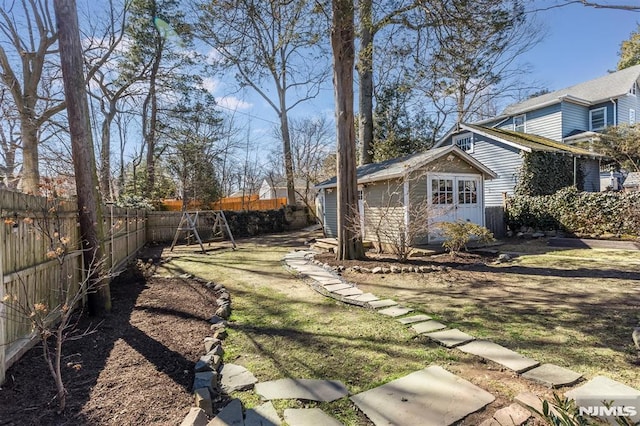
(575, 172)
(406, 207)
(615, 111)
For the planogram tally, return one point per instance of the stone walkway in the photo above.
(433, 395)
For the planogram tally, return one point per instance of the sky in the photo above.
(581, 43)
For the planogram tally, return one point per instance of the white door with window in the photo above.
(454, 197)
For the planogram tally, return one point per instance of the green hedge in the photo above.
(579, 213)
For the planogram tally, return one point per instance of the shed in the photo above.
(411, 193)
(632, 182)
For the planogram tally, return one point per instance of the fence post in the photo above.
(3, 330)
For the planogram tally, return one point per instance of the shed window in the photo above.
(464, 142)
(519, 123)
(442, 191)
(598, 118)
(467, 192)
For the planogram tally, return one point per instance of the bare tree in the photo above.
(9, 141)
(269, 43)
(88, 196)
(342, 43)
(30, 31)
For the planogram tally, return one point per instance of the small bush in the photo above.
(460, 233)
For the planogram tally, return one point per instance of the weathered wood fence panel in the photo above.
(31, 230)
(495, 221)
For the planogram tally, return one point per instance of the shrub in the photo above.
(460, 233)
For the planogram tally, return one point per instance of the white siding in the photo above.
(574, 118)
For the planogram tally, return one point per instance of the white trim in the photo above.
(632, 116)
(524, 123)
(461, 136)
(405, 188)
(591, 112)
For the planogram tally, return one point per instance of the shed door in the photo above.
(455, 198)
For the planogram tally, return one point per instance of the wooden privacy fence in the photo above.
(32, 228)
(236, 204)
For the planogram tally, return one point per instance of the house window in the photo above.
(519, 123)
(360, 194)
(467, 192)
(598, 118)
(464, 142)
(442, 191)
(633, 89)
(632, 116)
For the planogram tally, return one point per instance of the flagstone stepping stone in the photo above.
(365, 297)
(427, 326)
(496, 353)
(382, 303)
(450, 338)
(552, 376)
(432, 396)
(513, 415)
(395, 311)
(262, 415)
(352, 291)
(602, 388)
(336, 287)
(230, 415)
(309, 417)
(414, 318)
(307, 389)
(236, 377)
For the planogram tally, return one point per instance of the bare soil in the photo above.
(136, 369)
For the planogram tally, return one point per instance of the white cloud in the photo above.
(233, 103)
(211, 85)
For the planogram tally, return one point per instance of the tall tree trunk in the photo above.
(342, 44)
(288, 160)
(89, 203)
(105, 152)
(30, 170)
(150, 131)
(365, 74)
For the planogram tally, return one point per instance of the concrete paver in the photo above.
(395, 311)
(432, 396)
(336, 287)
(450, 338)
(262, 415)
(351, 291)
(496, 353)
(385, 303)
(365, 297)
(552, 376)
(427, 326)
(309, 417)
(600, 388)
(414, 318)
(307, 389)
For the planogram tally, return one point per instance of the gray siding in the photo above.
(626, 103)
(545, 122)
(331, 212)
(591, 171)
(384, 211)
(574, 118)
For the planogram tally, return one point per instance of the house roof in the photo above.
(602, 89)
(528, 142)
(632, 180)
(399, 167)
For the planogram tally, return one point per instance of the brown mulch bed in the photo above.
(137, 369)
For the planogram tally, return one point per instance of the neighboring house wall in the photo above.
(574, 118)
(266, 192)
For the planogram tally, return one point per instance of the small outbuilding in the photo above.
(410, 195)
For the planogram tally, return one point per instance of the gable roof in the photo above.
(602, 89)
(399, 167)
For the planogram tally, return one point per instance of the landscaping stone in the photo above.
(376, 270)
(217, 320)
(513, 415)
(600, 389)
(230, 415)
(552, 376)
(236, 377)
(262, 415)
(432, 396)
(450, 338)
(365, 297)
(395, 311)
(224, 311)
(496, 353)
(210, 343)
(216, 350)
(414, 318)
(351, 291)
(206, 363)
(203, 400)
(376, 304)
(336, 287)
(309, 417)
(206, 379)
(196, 417)
(427, 326)
(220, 334)
(307, 389)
